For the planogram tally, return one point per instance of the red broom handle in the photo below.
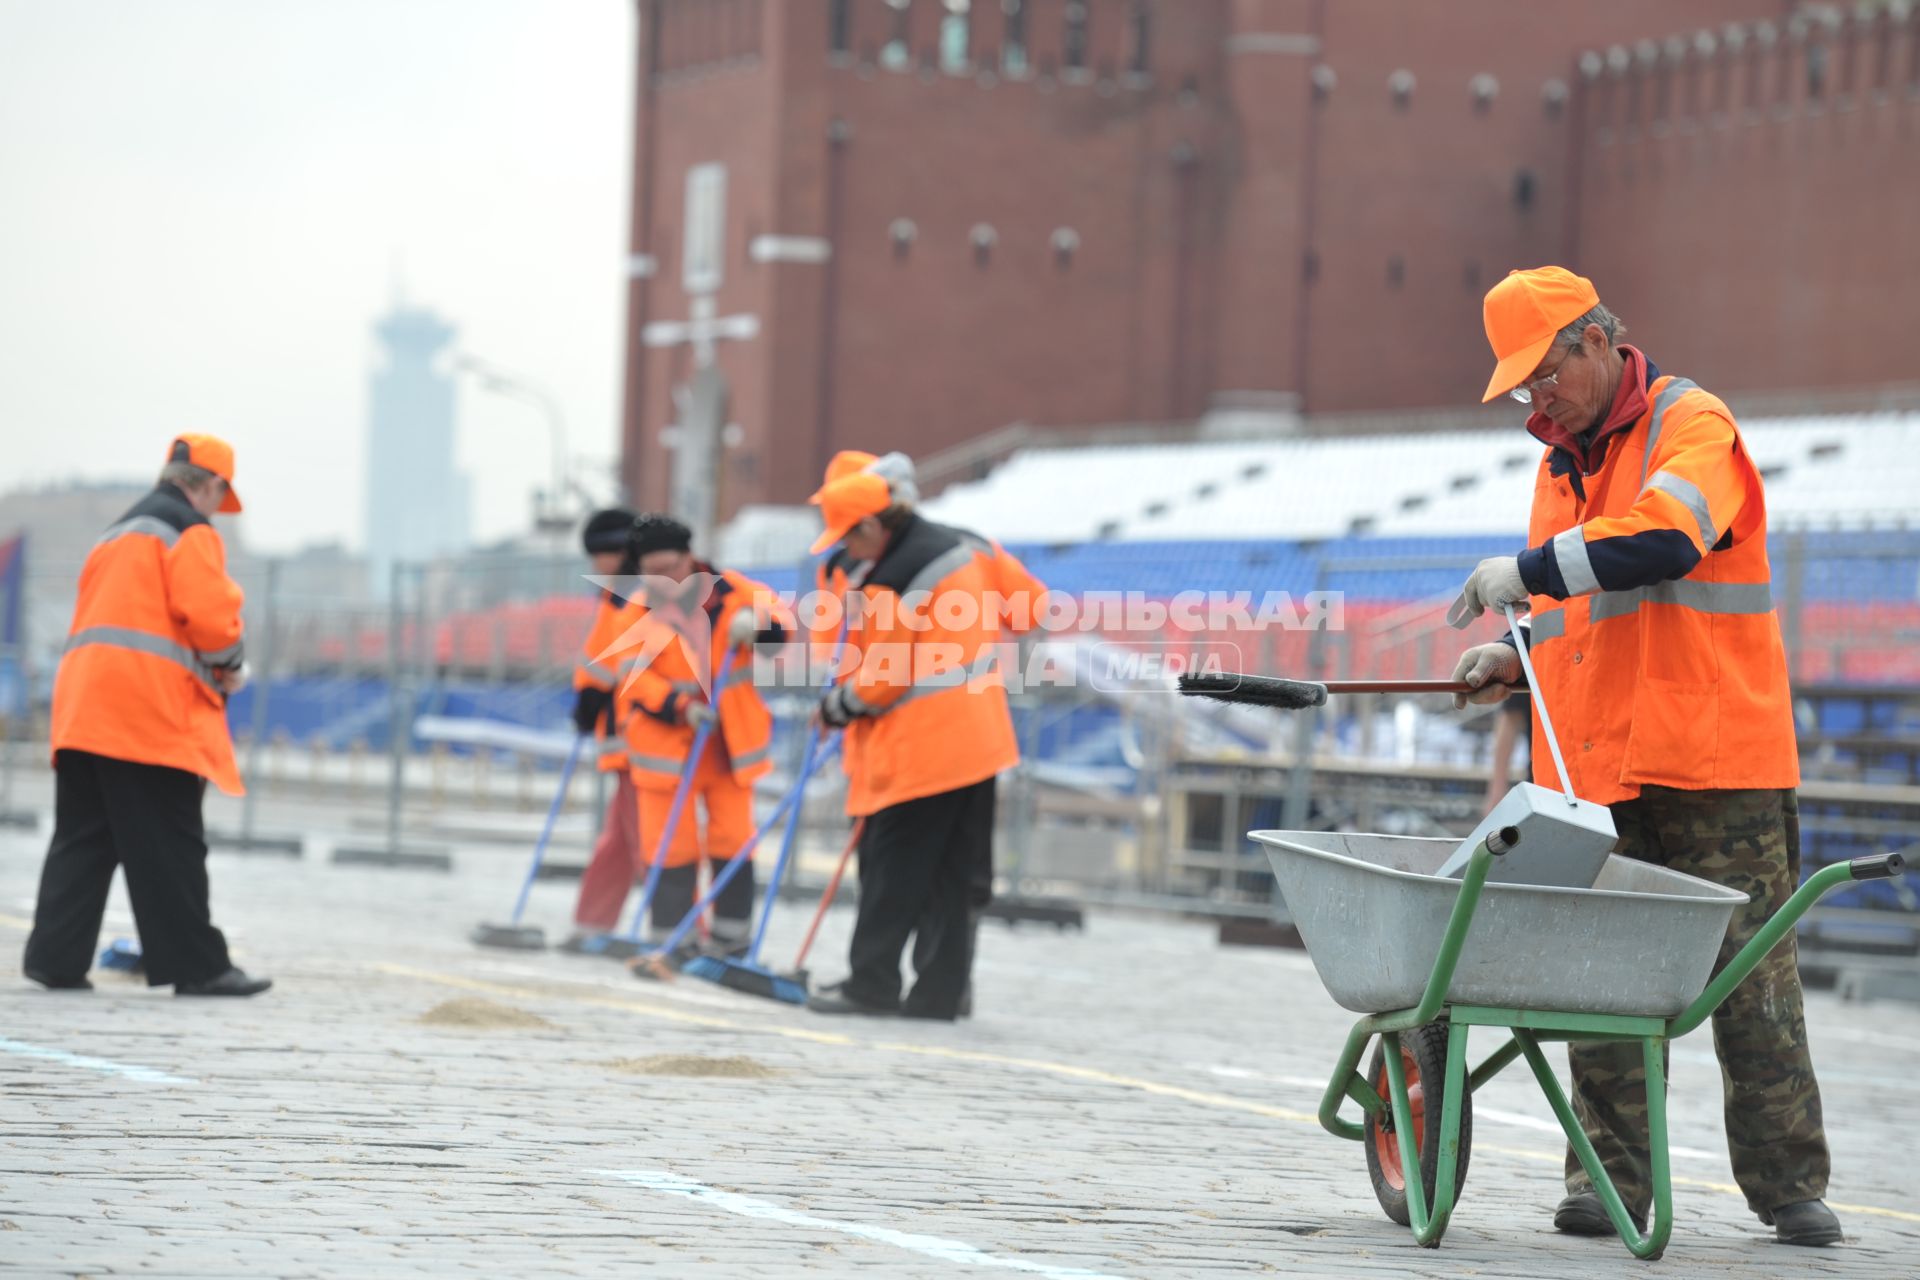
(826, 899)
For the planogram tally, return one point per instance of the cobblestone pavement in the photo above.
(1132, 1101)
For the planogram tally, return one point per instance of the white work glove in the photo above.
(698, 714)
(232, 680)
(743, 627)
(1493, 584)
(1492, 669)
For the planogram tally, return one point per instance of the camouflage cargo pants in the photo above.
(1750, 841)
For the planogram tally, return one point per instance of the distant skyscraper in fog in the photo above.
(416, 501)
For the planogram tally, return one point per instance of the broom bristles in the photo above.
(1259, 691)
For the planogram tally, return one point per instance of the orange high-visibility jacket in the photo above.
(927, 700)
(157, 612)
(1013, 586)
(1654, 634)
(597, 669)
(659, 683)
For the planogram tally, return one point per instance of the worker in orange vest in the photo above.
(685, 616)
(609, 873)
(139, 728)
(923, 707)
(1658, 651)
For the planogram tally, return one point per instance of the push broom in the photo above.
(745, 973)
(655, 964)
(514, 936)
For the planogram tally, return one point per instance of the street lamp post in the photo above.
(548, 516)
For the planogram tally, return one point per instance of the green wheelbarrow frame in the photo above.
(1528, 1028)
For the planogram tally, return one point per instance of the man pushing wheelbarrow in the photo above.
(1655, 640)
(1657, 887)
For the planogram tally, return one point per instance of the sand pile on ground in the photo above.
(471, 1013)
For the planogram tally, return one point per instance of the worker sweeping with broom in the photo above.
(923, 708)
(683, 617)
(1654, 637)
(607, 539)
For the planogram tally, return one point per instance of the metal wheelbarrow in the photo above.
(1578, 948)
(1427, 958)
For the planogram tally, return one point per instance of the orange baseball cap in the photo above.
(847, 500)
(1523, 313)
(209, 453)
(848, 461)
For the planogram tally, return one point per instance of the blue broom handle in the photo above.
(546, 832)
(793, 815)
(786, 847)
(743, 856)
(680, 793)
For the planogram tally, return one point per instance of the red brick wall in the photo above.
(1259, 216)
(1753, 234)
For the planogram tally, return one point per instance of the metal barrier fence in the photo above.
(1121, 795)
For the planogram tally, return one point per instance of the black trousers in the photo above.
(679, 889)
(921, 868)
(146, 818)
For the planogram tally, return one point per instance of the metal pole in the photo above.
(398, 721)
(1796, 598)
(10, 716)
(1305, 726)
(262, 686)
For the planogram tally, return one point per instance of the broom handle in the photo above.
(1396, 686)
(1540, 705)
(546, 831)
(659, 860)
(833, 887)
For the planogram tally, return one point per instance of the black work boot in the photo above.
(234, 982)
(1807, 1222)
(1583, 1214)
(54, 983)
(836, 999)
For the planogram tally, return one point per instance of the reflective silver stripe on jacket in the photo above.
(749, 758)
(1675, 388)
(1692, 499)
(659, 764)
(939, 567)
(141, 642)
(1550, 625)
(153, 526)
(982, 665)
(224, 657)
(1576, 569)
(1701, 597)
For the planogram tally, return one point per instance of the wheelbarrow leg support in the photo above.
(1428, 1225)
(1653, 1244)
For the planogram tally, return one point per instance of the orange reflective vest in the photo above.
(925, 694)
(1654, 634)
(598, 669)
(659, 682)
(156, 614)
(1014, 588)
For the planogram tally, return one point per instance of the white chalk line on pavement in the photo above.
(125, 1070)
(1045, 1066)
(939, 1247)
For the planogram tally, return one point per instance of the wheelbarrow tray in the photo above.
(1371, 912)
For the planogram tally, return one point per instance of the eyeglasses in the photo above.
(1527, 390)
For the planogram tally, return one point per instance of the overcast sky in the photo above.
(202, 204)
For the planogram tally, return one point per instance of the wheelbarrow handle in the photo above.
(1882, 866)
(1817, 886)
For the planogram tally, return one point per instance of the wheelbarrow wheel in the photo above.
(1423, 1055)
